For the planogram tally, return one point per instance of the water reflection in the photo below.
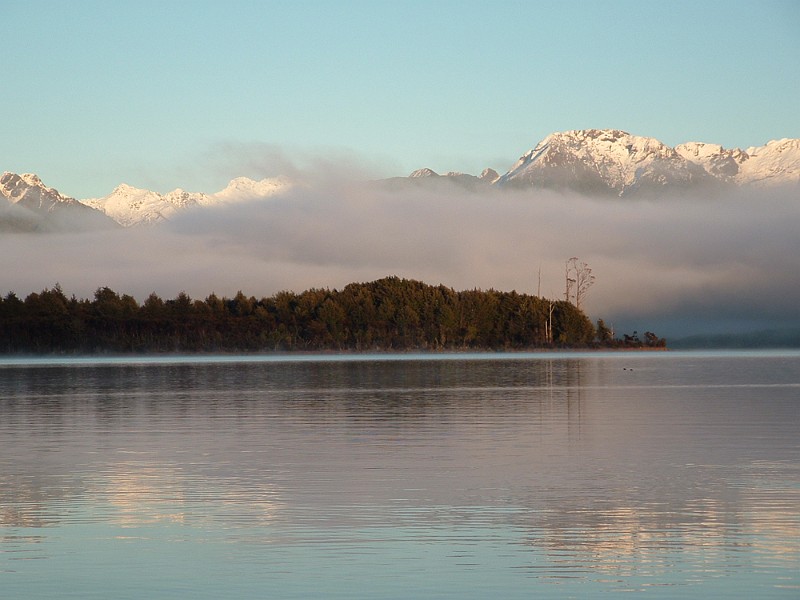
(626, 472)
(141, 492)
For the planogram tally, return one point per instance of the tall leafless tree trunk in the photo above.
(579, 279)
(569, 283)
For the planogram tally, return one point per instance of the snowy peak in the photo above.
(489, 175)
(130, 206)
(32, 206)
(244, 188)
(616, 162)
(603, 161)
(28, 190)
(776, 163)
(714, 159)
(32, 180)
(430, 179)
(425, 172)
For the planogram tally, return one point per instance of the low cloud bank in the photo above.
(676, 266)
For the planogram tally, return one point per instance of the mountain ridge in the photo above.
(613, 161)
(609, 162)
(32, 206)
(130, 206)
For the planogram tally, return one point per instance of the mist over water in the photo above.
(678, 265)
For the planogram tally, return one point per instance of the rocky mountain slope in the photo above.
(130, 206)
(611, 161)
(32, 206)
(603, 161)
(431, 180)
(776, 163)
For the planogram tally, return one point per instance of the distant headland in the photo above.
(389, 314)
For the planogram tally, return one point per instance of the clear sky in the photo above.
(164, 94)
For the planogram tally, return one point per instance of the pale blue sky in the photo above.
(162, 94)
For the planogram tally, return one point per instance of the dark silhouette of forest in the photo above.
(390, 314)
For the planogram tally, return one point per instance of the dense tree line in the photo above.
(388, 314)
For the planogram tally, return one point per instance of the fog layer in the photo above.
(676, 266)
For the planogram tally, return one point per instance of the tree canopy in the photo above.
(387, 314)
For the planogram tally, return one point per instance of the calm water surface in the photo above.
(659, 475)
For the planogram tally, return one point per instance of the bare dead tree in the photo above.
(583, 281)
(579, 279)
(539, 285)
(569, 279)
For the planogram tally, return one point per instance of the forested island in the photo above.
(390, 314)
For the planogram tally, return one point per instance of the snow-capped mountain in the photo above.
(592, 161)
(28, 190)
(486, 176)
(489, 175)
(775, 163)
(714, 159)
(130, 206)
(424, 172)
(429, 179)
(244, 188)
(616, 162)
(32, 206)
(605, 161)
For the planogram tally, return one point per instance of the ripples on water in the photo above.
(663, 475)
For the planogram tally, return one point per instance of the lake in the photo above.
(657, 475)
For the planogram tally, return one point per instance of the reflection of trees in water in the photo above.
(414, 390)
(33, 422)
(56, 392)
(75, 424)
(251, 442)
(565, 381)
(67, 435)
